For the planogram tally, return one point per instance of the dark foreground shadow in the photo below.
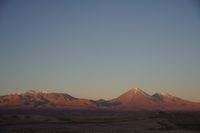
(82, 121)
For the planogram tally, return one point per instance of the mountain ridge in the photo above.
(133, 99)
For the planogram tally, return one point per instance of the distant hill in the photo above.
(133, 99)
(34, 99)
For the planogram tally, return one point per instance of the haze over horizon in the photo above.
(100, 49)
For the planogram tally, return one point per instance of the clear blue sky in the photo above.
(100, 48)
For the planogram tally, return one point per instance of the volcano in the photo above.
(136, 99)
(134, 96)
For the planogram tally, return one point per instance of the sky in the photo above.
(100, 48)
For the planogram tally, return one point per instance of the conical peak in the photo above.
(136, 90)
(133, 96)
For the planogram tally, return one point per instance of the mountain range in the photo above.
(133, 99)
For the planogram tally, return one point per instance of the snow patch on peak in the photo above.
(31, 91)
(135, 90)
(18, 93)
(165, 94)
(44, 91)
(36, 91)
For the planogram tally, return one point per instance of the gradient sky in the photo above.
(100, 48)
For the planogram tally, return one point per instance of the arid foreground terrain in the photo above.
(97, 121)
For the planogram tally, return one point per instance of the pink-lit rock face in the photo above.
(133, 99)
(134, 96)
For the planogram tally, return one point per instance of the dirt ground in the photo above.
(79, 121)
